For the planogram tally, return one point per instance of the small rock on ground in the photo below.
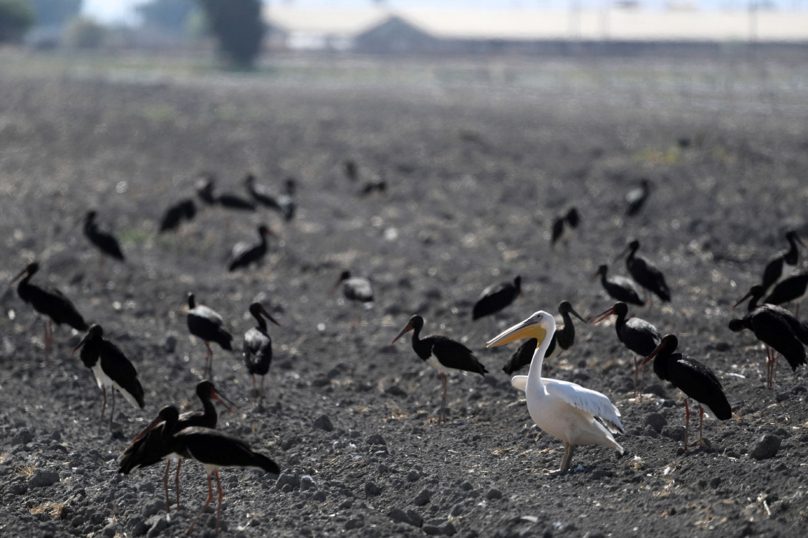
(766, 447)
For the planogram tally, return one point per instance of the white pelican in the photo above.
(565, 410)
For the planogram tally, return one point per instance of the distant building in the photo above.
(626, 29)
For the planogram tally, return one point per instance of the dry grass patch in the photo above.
(55, 510)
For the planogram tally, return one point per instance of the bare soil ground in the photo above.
(479, 158)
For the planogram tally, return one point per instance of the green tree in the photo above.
(168, 14)
(238, 27)
(55, 12)
(16, 17)
(85, 33)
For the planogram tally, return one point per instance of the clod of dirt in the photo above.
(323, 423)
(766, 447)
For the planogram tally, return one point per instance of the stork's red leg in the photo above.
(701, 427)
(207, 502)
(768, 368)
(636, 370)
(104, 408)
(221, 496)
(255, 390)
(443, 406)
(209, 361)
(262, 390)
(687, 421)
(165, 484)
(112, 413)
(177, 482)
(48, 339)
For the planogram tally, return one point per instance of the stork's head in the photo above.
(415, 323)
(792, 236)
(30, 269)
(536, 326)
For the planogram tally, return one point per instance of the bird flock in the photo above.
(567, 411)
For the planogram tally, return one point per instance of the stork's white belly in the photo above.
(104, 380)
(101, 378)
(435, 363)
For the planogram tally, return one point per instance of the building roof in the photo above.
(533, 24)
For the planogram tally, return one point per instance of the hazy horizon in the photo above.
(123, 11)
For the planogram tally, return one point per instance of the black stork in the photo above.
(619, 287)
(564, 226)
(176, 213)
(376, 186)
(636, 198)
(205, 189)
(350, 169)
(211, 448)
(784, 263)
(639, 336)
(49, 302)
(207, 325)
(257, 348)
(780, 331)
(694, 379)
(442, 353)
(645, 273)
(151, 449)
(288, 201)
(562, 341)
(111, 368)
(284, 204)
(260, 193)
(103, 240)
(245, 254)
(496, 297)
(355, 289)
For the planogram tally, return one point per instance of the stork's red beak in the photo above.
(83, 341)
(654, 353)
(222, 399)
(406, 329)
(16, 278)
(601, 317)
(268, 316)
(745, 297)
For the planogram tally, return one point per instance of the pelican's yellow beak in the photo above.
(530, 328)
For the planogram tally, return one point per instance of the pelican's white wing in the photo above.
(584, 399)
(519, 382)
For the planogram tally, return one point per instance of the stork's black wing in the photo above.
(649, 277)
(213, 447)
(640, 336)
(788, 290)
(521, 357)
(700, 383)
(774, 331)
(623, 289)
(494, 299)
(55, 304)
(118, 368)
(453, 354)
(144, 452)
